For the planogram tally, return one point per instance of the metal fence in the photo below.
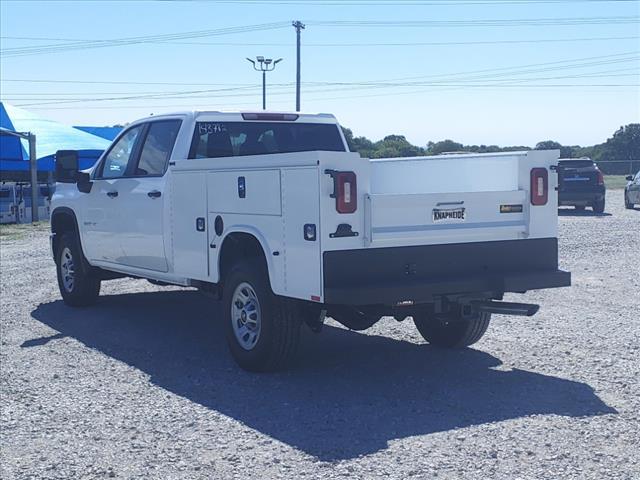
(619, 167)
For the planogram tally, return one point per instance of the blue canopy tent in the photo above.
(50, 137)
(109, 133)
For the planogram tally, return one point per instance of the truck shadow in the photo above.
(349, 394)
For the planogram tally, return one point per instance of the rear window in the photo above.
(575, 163)
(233, 139)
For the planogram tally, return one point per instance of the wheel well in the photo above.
(239, 246)
(62, 222)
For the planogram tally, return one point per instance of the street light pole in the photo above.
(264, 90)
(264, 65)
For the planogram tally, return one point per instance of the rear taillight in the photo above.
(539, 186)
(345, 191)
(600, 178)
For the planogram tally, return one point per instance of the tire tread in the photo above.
(86, 286)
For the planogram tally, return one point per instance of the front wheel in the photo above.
(452, 330)
(262, 329)
(78, 286)
(627, 204)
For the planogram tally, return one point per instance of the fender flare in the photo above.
(68, 212)
(254, 232)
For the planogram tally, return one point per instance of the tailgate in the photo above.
(576, 179)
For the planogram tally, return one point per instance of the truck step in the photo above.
(506, 308)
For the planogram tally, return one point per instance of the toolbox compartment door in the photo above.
(445, 217)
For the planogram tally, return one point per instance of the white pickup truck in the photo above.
(273, 214)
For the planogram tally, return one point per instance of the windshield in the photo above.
(230, 139)
(575, 163)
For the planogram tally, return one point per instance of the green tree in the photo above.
(396, 146)
(444, 146)
(565, 152)
(624, 145)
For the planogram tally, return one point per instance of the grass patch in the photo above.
(13, 231)
(615, 181)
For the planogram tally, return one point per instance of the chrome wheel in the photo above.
(246, 316)
(67, 269)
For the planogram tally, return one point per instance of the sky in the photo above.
(505, 72)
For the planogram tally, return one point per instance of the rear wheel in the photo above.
(452, 330)
(78, 286)
(598, 206)
(262, 329)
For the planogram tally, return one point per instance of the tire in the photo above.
(598, 207)
(262, 329)
(628, 205)
(78, 286)
(579, 208)
(451, 330)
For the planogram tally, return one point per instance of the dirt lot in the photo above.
(142, 386)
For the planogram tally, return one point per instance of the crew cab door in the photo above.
(143, 196)
(103, 208)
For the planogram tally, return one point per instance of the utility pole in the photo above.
(264, 65)
(298, 25)
(33, 160)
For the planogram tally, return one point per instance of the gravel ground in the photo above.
(142, 386)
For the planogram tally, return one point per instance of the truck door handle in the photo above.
(112, 194)
(154, 194)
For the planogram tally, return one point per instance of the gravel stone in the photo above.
(141, 385)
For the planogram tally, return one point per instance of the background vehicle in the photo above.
(15, 202)
(632, 191)
(581, 184)
(271, 213)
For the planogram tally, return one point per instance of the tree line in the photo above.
(621, 150)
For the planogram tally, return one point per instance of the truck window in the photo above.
(157, 147)
(233, 139)
(116, 161)
(575, 163)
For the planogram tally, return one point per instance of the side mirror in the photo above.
(629, 178)
(66, 166)
(83, 180)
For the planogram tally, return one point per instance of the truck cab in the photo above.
(272, 213)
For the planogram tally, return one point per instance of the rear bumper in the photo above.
(581, 197)
(389, 276)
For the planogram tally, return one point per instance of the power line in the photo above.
(83, 44)
(440, 3)
(616, 73)
(582, 62)
(113, 82)
(447, 80)
(515, 22)
(367, 44)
